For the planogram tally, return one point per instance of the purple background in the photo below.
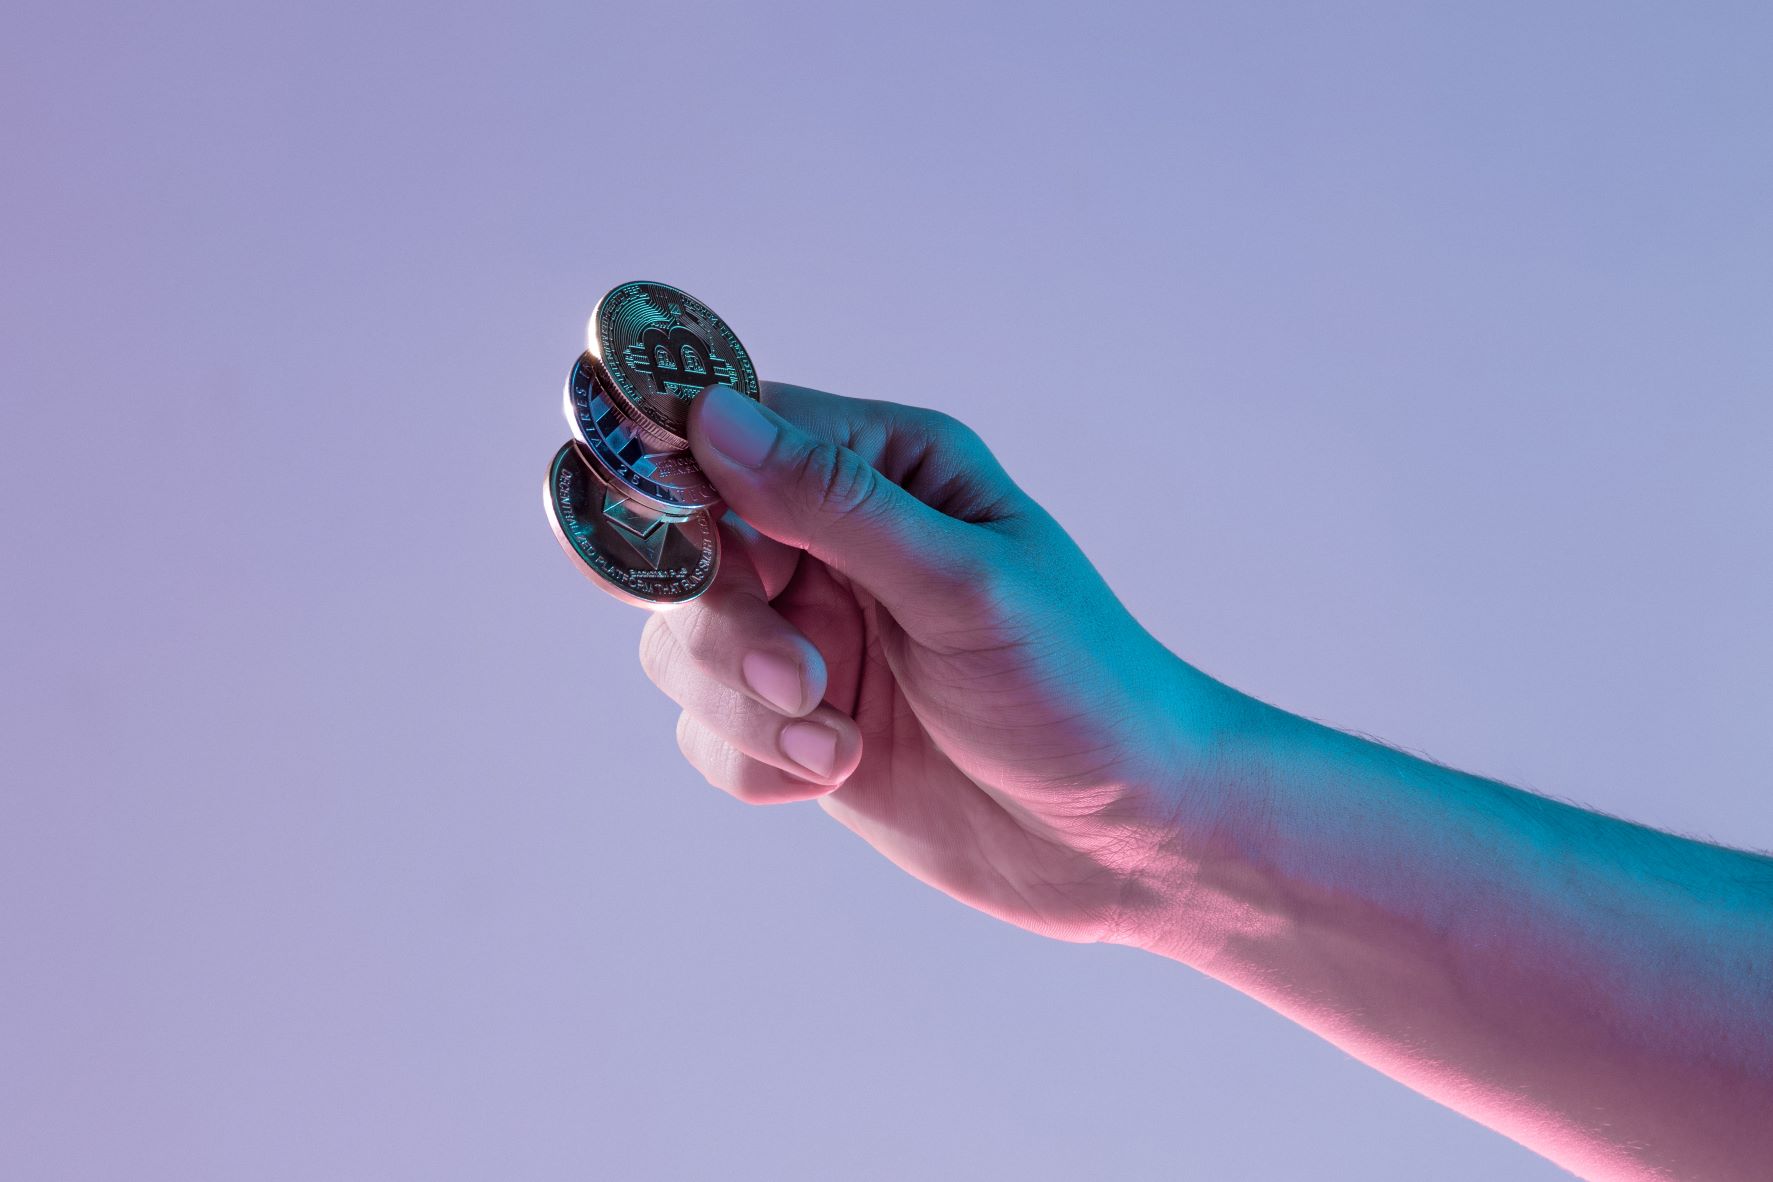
(1408, 367)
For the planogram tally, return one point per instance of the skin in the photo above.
(900, 633)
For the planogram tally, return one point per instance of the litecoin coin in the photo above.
(636, 555)
(662, 347)
(667, 480)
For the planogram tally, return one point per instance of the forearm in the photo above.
(1599, 991)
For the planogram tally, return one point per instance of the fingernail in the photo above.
(812, 745)
(774, 679)
(735, 426)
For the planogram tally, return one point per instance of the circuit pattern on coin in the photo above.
(668, 480)
(638, 556)
(661, 348)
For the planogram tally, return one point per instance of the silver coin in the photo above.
(666, 479)
(661, 348)
(637, 555)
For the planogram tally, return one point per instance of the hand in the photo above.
(900, 632)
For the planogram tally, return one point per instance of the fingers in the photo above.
(934, 457)
(737, 774)
(766, 759)
(803, 488)
(734, 637)
(750, 684)
(820, 742)
(774, 562)
(744, 745)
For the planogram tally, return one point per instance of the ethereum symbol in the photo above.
(644, 532)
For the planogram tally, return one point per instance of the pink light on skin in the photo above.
(1010, 735)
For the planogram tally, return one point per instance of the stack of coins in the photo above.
(625, 496)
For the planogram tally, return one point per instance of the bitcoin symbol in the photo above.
(678, 361)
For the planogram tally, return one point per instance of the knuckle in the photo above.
(721, 764)
(945, 428)
(951, 437)
(836, 481)
(746, 788)
(697, 630)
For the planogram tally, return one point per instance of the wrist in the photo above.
(1195, 884)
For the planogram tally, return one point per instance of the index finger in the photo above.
(931, 455)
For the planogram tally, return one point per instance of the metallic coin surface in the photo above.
(661, 347)
(667, 480)
(636, 555)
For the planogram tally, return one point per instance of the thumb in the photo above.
(827, 500)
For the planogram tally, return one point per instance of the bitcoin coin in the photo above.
(661, 348)
(667, 480)
(637, 555)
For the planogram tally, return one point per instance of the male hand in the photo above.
(900, 632)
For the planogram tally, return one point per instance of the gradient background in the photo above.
(1406, 366)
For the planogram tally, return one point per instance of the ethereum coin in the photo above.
(637, 555)
(661, 348)
(666, 480)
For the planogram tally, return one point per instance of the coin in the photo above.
(661, 348)
(638, 556)
(667, 480)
